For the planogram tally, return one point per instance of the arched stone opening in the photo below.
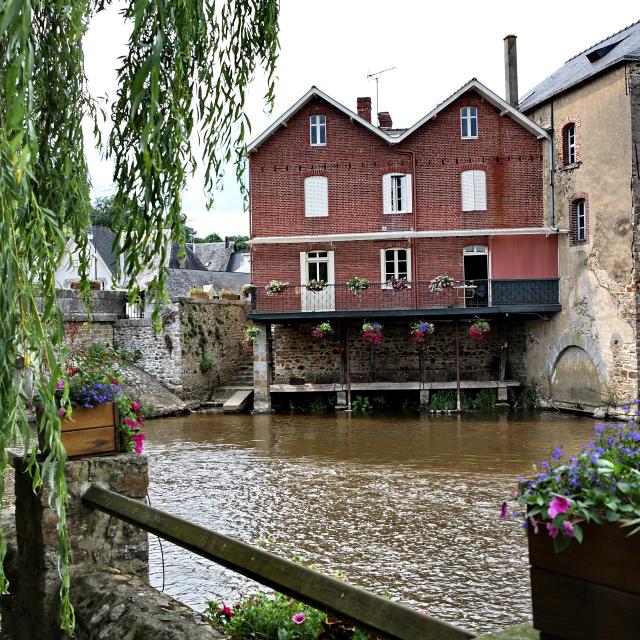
(575, 378)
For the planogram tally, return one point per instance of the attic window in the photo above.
(598, 54)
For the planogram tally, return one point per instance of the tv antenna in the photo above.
(376, 76)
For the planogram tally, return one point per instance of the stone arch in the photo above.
(576, 372)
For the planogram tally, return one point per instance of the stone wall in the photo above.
(594, 338)
(212, 344)
(296, 352)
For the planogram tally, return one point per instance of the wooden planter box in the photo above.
(199, 294)
(590, 590)
(90, 431)
(230, 296)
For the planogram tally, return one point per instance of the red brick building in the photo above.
(460, 193)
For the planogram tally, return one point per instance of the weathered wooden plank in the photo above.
(365, 609)
(101, 415)
(573, 609)
(391, 386)
(86, 442)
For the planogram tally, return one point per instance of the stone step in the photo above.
(237, 401)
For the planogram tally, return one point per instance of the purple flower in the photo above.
(557, 454)
(568, 528)
(558, 505)
(62, 411)
(504, 511)
(60, 384)
(298, 618)
(534, 524)
(625, 408)
(553, 532)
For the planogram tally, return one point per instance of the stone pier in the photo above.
(262, 370)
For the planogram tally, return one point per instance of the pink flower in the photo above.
(559, 505)
(62, 411)
(227, 612)
(568, 528)
(60, 384)
(138, 439)
(130, 423)
(298, 618)
(534, 524)
(136, 406)
(116, 381)
(504, 511)
(553, 532)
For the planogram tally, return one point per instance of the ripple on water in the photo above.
(405, 506)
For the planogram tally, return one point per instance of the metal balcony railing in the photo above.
(419, 295)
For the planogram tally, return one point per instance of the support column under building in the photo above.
(262, 370)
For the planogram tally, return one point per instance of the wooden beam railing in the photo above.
(366, 610)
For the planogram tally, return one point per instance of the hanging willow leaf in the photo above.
(185, 72)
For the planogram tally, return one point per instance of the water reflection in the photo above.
(405, 505)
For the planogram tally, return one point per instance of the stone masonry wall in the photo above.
(212, 345)
(296, 352)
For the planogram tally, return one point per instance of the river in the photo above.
(403, 505)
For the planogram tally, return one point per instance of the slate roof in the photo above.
(619, 47)
(181, 281)
(103, 242)
(190, 260)
(214, 256)
(240, 262)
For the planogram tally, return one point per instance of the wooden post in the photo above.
(458, 402)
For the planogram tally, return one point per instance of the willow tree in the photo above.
(186, 70)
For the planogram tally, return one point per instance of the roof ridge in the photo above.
(633, 24)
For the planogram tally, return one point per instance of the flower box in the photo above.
(229, 296)
(589, 590)
(199, 294)
(89, 431)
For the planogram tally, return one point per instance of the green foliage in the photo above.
(443, 400)
(105, 210)
(207, 363)
(240, 243)
(524, 398)
(361, 404)
(485, 399)
(212, 237)
(187, 67)
(317, 406)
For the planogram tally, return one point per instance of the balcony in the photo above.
(465, 298)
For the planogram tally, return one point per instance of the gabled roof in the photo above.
(502, 105)
(214, 256)
(102, 240)
(619, 47)
(190, 260)
(396, 136)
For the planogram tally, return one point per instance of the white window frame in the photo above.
(314, 257)
(581, 220)
(571, 143)
(390, 184)
(383, 264)
(317, 123)
(478, 187)
(316, 208)
(468, 115)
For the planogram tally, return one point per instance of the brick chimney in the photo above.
(364, 108)
(384, 120)
(511, 71)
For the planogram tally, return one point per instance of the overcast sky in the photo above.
(334, 44)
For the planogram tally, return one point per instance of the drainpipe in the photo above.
(348, 363)
(458, 403)
(552, 171)
(414, 207)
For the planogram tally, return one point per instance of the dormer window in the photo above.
(469, 123)
(318, 130)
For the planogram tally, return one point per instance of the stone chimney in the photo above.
(511, 71)
(364, 108)
(384, 120)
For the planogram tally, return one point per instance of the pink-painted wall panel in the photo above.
(526, 256)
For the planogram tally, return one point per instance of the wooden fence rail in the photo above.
(367, 610)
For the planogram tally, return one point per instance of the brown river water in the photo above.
(403, 505)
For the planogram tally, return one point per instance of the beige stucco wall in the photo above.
(597, 278)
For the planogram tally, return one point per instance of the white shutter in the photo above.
(408, 194)
(468, 197)
(480, 190)
(316, 196)
(303, 268)
(386, 193)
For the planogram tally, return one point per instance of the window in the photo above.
(469, 122)
(580, 213)
(317, 266)
(318, 128)
(570, 141)
(395, 263)
(474, 190)
(316, 197)
(396, 193)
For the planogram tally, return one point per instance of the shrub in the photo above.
(207, 362)
(443, 400)
(485, 399)
(361, 403)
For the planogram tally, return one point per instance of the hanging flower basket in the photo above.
(316, 285)
(440, 283)
(246, 289)
(419, 330)
(399, 284)
(372, 332)
(322, 330)
(251, 334)
(479, 330)
(276, 286)
(358, 285)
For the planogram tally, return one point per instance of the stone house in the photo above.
(460, 193)
(588, 354)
